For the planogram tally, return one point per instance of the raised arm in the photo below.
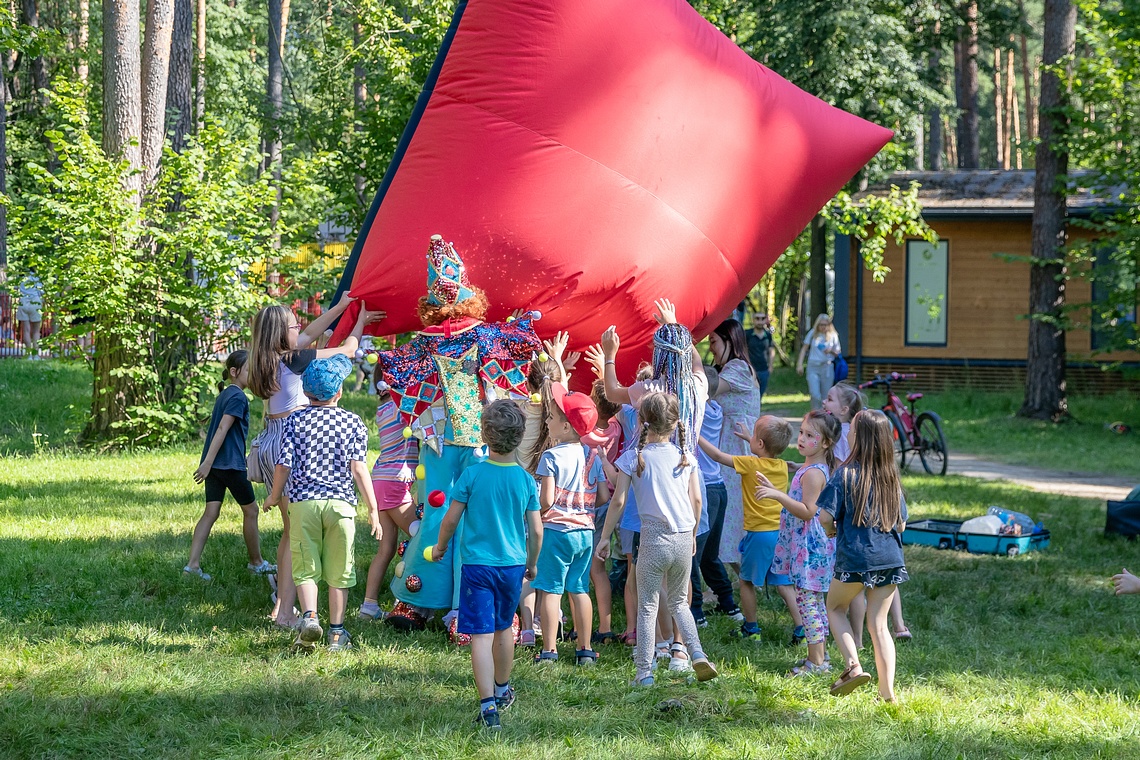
(352, 342)
(616, 393)
(318, 326)
(713, 453)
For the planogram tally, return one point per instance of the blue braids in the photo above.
(673, 366)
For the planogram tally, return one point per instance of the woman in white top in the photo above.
(278, 357)
(820, 347)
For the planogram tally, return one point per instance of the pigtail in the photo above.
(222, 383)
(681, 443)
(543, 442)
(640, 445)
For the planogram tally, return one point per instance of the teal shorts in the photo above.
(321, 533)
(564, 562)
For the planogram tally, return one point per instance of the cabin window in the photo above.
(927, 278)
(1114, 298)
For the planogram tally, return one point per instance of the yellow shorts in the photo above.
(321, 535)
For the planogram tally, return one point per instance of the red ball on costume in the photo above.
(403, 547)
(414, 583)
(436, 498)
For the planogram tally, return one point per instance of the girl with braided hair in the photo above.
(665, 480)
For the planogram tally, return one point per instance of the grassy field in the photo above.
(112, 653)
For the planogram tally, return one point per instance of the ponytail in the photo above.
(236, 360)
(681, 443)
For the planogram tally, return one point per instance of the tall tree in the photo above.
(180, 86)
(155, 79)
(968, 142)
(200, 66)
(1027, 80)
(3, 158)
(1045, 392)
(278, 23)
(82, 37)
(30, 17)
(934, 111)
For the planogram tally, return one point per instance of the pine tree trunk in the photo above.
(30, 16)
(1010, 107)
(999, 113)
(83, 35)
(113, 393)
(1045, 393)
(278, 23)
(934, 113)
(3, 164)
(818, 264)
(180, 86)
(200, 66)
(155, 76)
(359, 95)
(968, 144)
(1027, 80)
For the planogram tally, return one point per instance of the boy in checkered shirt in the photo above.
(323, 452)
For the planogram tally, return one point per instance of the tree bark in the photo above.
(1010, 108)
(278, 23)
(818, 264)
(200, 67)
(1027, 79)
(155, 78)
(83, 35)
(999, 113)
(968, 144)
(1045, 392)
(1016, 108)
(30, 16)
(3, 164)
(122, 72)
(934, 113)
(359, 95)
(180, 86)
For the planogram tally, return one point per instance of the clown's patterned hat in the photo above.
(447, 277)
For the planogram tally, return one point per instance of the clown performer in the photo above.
(440, 381)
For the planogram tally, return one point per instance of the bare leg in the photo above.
(878, 609)
(483, 663)
(35, 338)
(551, 607)
(838, 600)
(602, 594)
(286, 589)
(748, 601)
(250, 532)
(857, 614)
(504, 655)
(630, 596)
(896, 614)
(385, 550)
(788, 594)
(582, 610)
(307, 596)
(202, 532)
(338, 601)
(526, 606)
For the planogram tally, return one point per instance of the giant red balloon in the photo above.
(589, 156)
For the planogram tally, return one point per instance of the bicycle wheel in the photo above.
(932, 443)
(902, 445)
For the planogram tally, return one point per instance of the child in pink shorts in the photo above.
(392, 478)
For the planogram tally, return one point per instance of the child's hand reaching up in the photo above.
(741, 431)
(1126, 583)
(597, 360)
(666, 312)
(610, 343)
(557, 347)
(765, 489)
(571, 360)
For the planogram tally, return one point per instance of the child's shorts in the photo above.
(564, 562)
(392, 493)
(756, 551)
(321, 535)
(234, 481)
(630, 542)
(488, 597)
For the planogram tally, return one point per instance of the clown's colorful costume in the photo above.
(440, 382)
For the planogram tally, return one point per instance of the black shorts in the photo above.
(235, 480)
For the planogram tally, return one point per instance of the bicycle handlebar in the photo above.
(893, 377)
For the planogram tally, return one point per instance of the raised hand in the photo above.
(597, 360)
(344, 300)
(571, 360)
(742, 432)
(370, 317)
(557, 347)
(666, 312)
(610, 343)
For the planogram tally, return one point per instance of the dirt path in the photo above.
(1082, 484)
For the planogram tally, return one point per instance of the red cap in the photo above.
(578, 407)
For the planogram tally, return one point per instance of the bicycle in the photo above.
(921, 434)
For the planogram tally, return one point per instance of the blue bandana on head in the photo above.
(323, 378)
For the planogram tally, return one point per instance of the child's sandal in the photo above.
(603, 638)
(847, 683)
(586, 657)
(545, 656)
(196, 571)
(629, 638)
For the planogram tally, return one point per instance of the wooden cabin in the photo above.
(954, 313)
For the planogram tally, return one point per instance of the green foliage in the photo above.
(1104, 140)
(147, 276)
(875, 219)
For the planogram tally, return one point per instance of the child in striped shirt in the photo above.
(392, 478)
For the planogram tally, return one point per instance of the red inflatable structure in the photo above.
(588, 156)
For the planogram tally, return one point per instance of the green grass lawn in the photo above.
(110, 652)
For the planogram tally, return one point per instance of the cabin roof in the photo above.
(976, 192)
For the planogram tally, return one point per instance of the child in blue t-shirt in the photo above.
(222, 468)
(499, 547)
(569, 490)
